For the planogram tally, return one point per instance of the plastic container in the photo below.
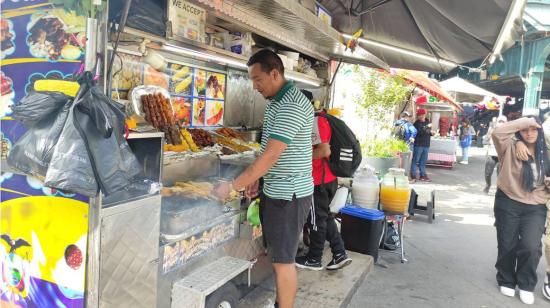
(339, 200)
(366, 189)
(362, 229)
(395, 191)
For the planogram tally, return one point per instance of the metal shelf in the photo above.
(290, 24)
(152, 134)
(234, 60)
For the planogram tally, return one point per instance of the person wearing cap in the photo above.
(421, 145)
(492, 157)
(405, 130)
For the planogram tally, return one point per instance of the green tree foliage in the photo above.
(382, 92)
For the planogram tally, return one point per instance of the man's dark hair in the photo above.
(268, 60)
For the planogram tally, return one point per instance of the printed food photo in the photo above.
(128, 71)
(50, 38)
(152, 77)
(215, 85)
(200, 83)
(199, 110)
(7, 37)
(182, 110)
(214, 112)
(181, 79)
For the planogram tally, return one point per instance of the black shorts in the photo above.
(282, 224)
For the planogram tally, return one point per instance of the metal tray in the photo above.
(179, 214)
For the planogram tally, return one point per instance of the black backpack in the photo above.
(345, 150)
(399, 131)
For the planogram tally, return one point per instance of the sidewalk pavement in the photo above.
(317, 288)
(451, 262)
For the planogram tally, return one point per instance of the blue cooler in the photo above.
(362, 229)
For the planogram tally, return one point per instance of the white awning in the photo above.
(459, 85)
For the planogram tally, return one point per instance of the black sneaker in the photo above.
(546, 287)
(339, 261)
(305, 262)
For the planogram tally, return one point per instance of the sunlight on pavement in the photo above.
(473, 219)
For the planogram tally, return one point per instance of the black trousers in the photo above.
(490, 163)
(321, 223)
(519, 232)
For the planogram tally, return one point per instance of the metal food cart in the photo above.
(443, 146)
(139, 249)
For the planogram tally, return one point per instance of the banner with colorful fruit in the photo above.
(43, 231)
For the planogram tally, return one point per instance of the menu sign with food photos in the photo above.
(187, 20)
(44, 231)
(197, 94)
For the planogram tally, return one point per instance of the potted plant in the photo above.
(383, 154)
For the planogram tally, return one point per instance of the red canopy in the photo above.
(422, 81)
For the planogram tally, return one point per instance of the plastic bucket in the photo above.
(362, 229)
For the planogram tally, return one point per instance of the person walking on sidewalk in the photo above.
(465, 133)
(421, 146)
(284, 164)
(520, 205)
(492, 157)
(323, 227)
(523, 154)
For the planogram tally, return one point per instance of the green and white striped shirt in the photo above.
(289, 118)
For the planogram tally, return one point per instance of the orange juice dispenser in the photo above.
(395, 192)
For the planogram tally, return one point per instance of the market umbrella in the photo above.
(421, 80)
(457, 31)
(457, 84)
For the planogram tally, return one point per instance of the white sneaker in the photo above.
(527, 297)
(546, 287)
(463, 162)
(508, 291)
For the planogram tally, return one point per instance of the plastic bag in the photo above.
(35, 106)
(32, 153)
(70, 168)
(391, 239)
(101, 124)
(145, 15)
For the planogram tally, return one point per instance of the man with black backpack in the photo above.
(405, 130)
(335, 153)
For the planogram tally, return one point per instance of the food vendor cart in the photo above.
(443, 145)
(169, 243)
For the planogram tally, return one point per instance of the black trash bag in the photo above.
(32, 153)
(391, 239)
(70, 168)
(35, 106)
(145, 15)
(101, 124)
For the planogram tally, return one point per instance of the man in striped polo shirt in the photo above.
(284, 164)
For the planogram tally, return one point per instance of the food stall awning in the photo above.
(430, 35)
(421, 80)
(457, 84)
(289, 23)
